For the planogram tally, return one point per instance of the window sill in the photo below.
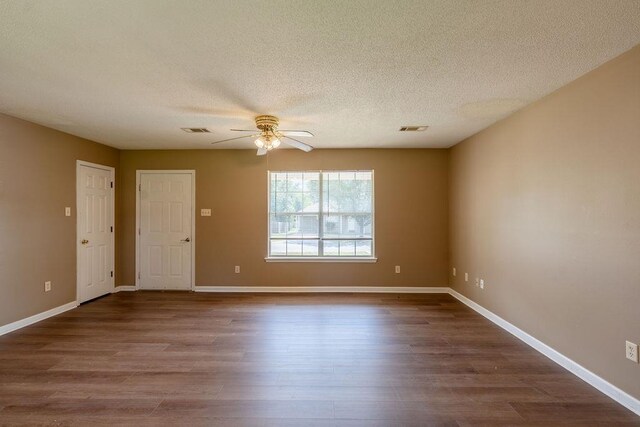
(322, 259)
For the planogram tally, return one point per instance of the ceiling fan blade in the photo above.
(231, 139)
(261, 152)
(304, 133)
(297, 144)
(242, 130)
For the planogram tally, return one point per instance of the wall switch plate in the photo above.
(481, 283)
(632, 351)
(237, 269)
(47, 286)
(205, 212)
(67, 211)
(466, 277)
(454, 272)
(397, 269)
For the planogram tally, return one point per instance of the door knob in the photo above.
(84, 241)
(186, 240)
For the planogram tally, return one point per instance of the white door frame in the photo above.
(191, 172)
(112, 213)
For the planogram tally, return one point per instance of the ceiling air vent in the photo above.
(413, 128)
(196, 130)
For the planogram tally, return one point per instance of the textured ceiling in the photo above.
(130, 74)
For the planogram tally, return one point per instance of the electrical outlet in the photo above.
(237, 269)
(466, 277)
(397, 269)
(205, 212)
(481, 283)
(47, 286)
(632, 351)
(454, 272)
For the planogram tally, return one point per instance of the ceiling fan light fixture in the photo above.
(268, 136)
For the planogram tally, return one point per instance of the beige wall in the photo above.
(411, 205)
(545, 206)
(37, 242)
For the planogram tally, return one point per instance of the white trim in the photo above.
(581, 372)
(123, 288)
(321, 259)
(112, 173)
(137, 232)
(321, 289)
(37, 317)
(192, 172)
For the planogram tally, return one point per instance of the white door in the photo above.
(95, 231)
(165, 230)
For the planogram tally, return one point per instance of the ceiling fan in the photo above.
(269, 137)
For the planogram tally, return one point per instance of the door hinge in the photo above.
(111, 273)
(112, 228)
(111, 184)
(139, 187)
(139, 233)
(138, 275)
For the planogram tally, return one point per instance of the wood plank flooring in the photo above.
(170, 358)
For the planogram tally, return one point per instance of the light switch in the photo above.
(205, 212)
(67, 211)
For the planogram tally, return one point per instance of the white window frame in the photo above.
(284, 258)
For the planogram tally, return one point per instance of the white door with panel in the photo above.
(165, 227)
(95, 231)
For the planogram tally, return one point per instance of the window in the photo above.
(321, 214)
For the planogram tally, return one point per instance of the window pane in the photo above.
(363, 175)
(278, 182)
(348, 192)
(278, 247)
(363, 199)
(331, 226)
(310, 203)
(310, 248)
(311, 182)
(363, 248)
(289, 202)
(331, 184)
(285, 225)
(294, 247)
(362, 224)
(308, 225)
(294, 181)
(331, 247)
(347, 248)
(345, 225)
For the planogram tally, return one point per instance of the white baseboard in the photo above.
(123, 288)
(323, 289)
(586, 375)
(37, 317)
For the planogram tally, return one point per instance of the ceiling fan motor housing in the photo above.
(267, 123)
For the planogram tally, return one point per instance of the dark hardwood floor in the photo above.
(169, 358)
